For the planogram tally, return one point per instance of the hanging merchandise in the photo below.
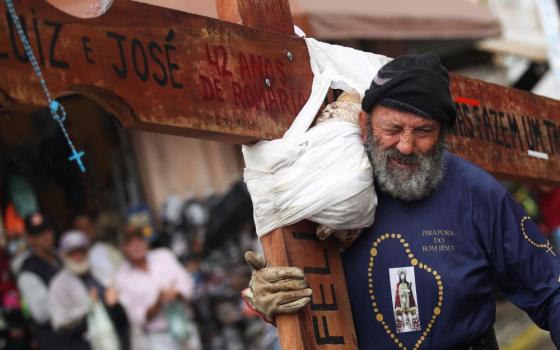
(22, 195)
(58, 112)
(13, 222)
(320, 173)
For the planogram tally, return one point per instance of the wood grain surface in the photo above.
(172, 72)
(179, 73)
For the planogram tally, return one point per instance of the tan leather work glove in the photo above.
(275, 290)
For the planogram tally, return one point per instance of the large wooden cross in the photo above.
(241, 79)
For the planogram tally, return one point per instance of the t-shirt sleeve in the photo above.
(182, 279)
(68, 302)
(525, 264)
(135, 307)
(36, 295)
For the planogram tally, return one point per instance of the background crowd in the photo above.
(103, 283)
(107, 284)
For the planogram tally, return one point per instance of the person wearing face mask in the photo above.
(105, 259)
(74, 290)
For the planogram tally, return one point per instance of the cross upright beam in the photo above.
(327, 322)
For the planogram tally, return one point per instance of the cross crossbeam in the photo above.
(167, 71)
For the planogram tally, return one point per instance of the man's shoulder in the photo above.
(61, 278)
(472, 177)
(161, 254)
(32, 264)
(28, 261)
(123, 272)
(27, 277)
(161, 251)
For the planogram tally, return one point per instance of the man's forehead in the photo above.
(391, 116)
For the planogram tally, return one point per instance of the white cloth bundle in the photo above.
(321, 173)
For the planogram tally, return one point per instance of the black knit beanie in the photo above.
(417, 84)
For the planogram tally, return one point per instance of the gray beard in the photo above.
(77, 268)
(406, 184)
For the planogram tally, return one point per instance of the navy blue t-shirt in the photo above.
(422, 276)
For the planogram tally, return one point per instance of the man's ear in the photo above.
(362, 121)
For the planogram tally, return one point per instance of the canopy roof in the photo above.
(376, 19)
(350, 19)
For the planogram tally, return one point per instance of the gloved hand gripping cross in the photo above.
(275, 290)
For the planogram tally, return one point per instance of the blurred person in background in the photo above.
(256, 334)
(192, 263)
(105, 259)
(14, 332)
(152, 286)
(549, 206)
(34, 277)
(72, 296)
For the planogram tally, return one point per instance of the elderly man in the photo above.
(72, 294)
(104, 258)
(446, 233)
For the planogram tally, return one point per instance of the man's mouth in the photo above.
(403, 165)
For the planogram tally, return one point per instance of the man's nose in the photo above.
(406, 143)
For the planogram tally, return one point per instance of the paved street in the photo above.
(516, 331)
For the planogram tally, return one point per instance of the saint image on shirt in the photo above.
(404, 299)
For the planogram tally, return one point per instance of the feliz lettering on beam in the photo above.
(326, 323)
(179, 73)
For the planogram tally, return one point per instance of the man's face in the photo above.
(135, 249)
(77, 261)
(43, 241)
(406, 151)
(77, 255)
